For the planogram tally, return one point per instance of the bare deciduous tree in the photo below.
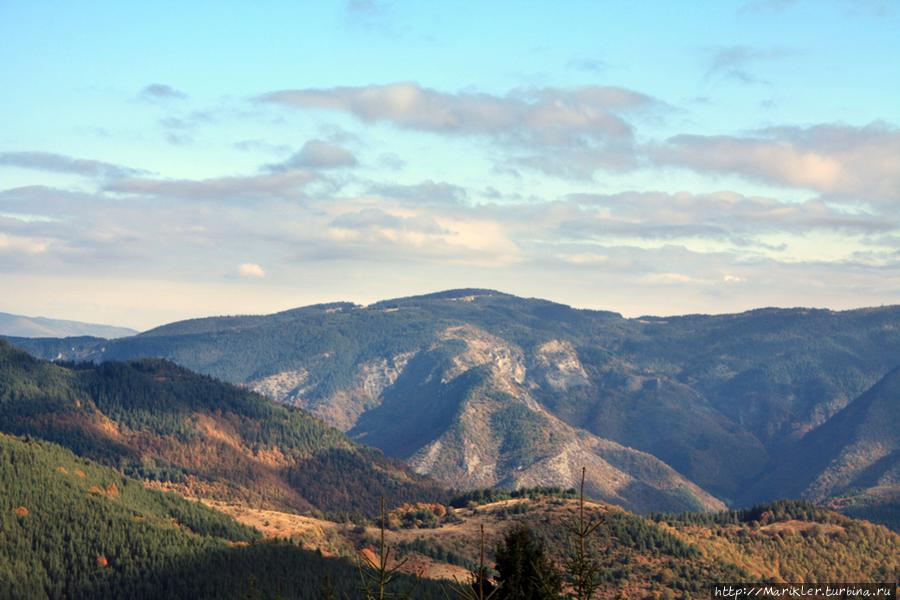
(581, 569)
(479, 587)
(376, 573)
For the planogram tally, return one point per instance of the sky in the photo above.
(168, 160)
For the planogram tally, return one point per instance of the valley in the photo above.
(465, 411)
(478, 388)
(73, 527)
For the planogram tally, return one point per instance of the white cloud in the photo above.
(541, 122)
(549, 116)
(252, 270)
(855, 163)
(722, 215)
(681, 248)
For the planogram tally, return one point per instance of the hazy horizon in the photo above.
(368, 302)
(166, 161)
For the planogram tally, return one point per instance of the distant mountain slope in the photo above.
(857, 449)
(720, 399)
(879, 504)
(42, 327)
(466, 416)
(790, 541)
(70, 528)
(161, 422)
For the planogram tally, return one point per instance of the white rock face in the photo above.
(507, 362)
(280, 386)
(470, 454)
(376, 376)
(559, 365)
(343, 408)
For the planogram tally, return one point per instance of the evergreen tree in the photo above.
(524, 571)
(327, 591)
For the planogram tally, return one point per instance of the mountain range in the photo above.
(18, 325)
(478, 388)
(186, 432)
(122, 475)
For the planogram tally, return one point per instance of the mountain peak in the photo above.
(464, 294)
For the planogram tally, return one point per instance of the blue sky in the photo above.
(166, 160)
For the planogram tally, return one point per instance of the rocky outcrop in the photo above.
(501, 435)
(342, 408)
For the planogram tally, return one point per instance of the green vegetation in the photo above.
(793, 541)
(489, 495)
(479, 585)
(525, 433)
(524, 572)
(887, 514)
(347, 482)
(377, 571)
(72, 528)
(435, 551)
(781, 510)
(722, 399)
(580, 566)
(101, 532)
(155, 420)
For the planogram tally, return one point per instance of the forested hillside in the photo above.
(451, 382)
(158, 421)
(858, 448)
(72, 528)
(634, 557)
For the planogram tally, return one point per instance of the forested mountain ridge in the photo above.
(855, 454)
(158, 421)
(720, 399)
(462, 411)
(71, 528)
